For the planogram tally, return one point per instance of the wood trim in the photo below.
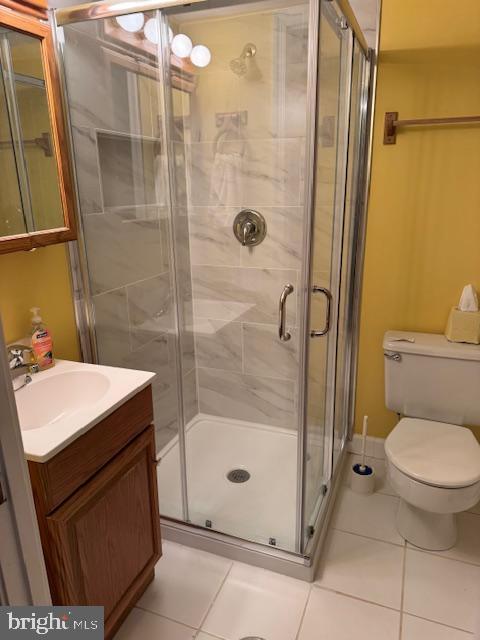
(57, 479)
(28, 241)
(34, 8)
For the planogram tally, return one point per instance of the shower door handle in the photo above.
(283, 334)
(328, 295)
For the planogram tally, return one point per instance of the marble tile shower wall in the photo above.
(120, 168)
(244, 370)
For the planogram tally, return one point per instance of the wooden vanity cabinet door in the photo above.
(107, 535)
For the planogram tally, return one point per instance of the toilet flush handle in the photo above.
(393, 356)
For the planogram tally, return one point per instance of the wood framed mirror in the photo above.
(37, 195)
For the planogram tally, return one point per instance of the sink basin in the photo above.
(48, 400)
(62, 403)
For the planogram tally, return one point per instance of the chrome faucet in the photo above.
(18, 364)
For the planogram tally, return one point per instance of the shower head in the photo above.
(239, 65)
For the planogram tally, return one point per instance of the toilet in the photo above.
(433, 461)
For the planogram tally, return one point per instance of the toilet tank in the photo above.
(426, 376)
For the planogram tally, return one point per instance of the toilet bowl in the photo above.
(434, 467)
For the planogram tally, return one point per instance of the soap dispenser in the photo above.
(42, 344)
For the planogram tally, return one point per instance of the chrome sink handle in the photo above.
(283, 334)
(16, 360)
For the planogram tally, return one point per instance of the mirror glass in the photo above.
(32, 201)
(12, 220)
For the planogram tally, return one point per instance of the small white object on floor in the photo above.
(363, 476)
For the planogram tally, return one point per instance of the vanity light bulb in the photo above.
(132, 22)
(151, 31)
(182, 45)
(200, 55)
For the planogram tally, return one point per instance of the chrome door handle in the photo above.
(282, 333)
(328, 295)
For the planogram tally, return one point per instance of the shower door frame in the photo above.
(361, 178)
(323, 10)
(301, 562)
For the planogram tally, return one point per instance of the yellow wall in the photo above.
(423, 230)
(39, 278)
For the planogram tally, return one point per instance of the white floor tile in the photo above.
(331, 616)
(442, 590)
(372, 516)
(467, 548)
(382, 485)
(255, 602)
(369, 569)
(418, 629)
(148, 626)
(186, 583)
(205, 636)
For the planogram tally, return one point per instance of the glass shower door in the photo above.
(115, 95)
(333, 89)
(238, 125)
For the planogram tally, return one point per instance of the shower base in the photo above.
(260, 509)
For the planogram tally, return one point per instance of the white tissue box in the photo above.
(463, 326)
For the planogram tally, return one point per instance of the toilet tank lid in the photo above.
(429, 344)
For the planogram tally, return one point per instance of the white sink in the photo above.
(49, 399)
(62, 403)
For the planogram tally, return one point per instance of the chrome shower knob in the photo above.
(249, 227)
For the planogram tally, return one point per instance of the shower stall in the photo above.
(220, 158)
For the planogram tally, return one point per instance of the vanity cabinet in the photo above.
(97, 507)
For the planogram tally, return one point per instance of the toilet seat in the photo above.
(434, 453)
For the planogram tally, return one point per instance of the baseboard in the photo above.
(375, 446)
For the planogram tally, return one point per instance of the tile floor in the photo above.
(370, 585)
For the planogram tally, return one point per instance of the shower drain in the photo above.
(237, 476)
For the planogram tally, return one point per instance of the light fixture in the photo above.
(182, 45)
(132, 22)
(170, 35)
(200, 55)
(151, 31)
